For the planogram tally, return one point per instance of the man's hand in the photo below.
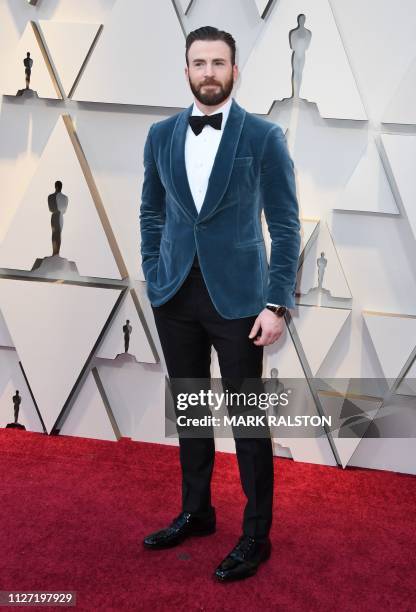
(271, 328)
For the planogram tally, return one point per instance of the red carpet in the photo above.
(74, 512)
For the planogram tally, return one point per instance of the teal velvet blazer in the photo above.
(252, 171)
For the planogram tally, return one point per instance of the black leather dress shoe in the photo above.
(183, 526)
(244, 560)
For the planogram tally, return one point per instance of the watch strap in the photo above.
(279, 311)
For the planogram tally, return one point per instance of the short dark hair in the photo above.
(210, 33)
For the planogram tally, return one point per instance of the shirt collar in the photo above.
(224, 109)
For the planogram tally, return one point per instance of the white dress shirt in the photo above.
(200, 152)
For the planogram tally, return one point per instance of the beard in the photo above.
(212, 98)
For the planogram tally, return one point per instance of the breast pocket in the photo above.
(242, 161)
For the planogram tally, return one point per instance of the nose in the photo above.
(208, 70)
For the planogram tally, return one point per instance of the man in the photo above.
(209, 172)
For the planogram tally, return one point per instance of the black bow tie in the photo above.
(198, 122)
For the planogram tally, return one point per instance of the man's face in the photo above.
(210, 73)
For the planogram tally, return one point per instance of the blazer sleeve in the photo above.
(281, 210)
(152, 209)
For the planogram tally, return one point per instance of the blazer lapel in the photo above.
(221, 170)
(224, 161)
(178, 168)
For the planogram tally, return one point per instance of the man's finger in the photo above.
(254, 329)
(262, 340)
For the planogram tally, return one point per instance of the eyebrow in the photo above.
(216, 59)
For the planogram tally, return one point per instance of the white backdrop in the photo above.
(355, 180)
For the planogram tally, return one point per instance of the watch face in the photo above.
(281, 311)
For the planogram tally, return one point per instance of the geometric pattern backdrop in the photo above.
(103, 72)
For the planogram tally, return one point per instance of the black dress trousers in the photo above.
(188, 325)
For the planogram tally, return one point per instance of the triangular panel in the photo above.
(42, 80)
(31, 225)
(262, 7)
(68, 45)
(5, 338)
(89, 417)
(408, 384)
(318, 329)
(54, 328)
(402, 107)
(401, 154)
(368, 188)
(138, 345)
(12, 380)
(321, 279)
(136, 393)
(138, 59)
(185, 5)
(327, 78)
(349, 429)
(394, 339)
